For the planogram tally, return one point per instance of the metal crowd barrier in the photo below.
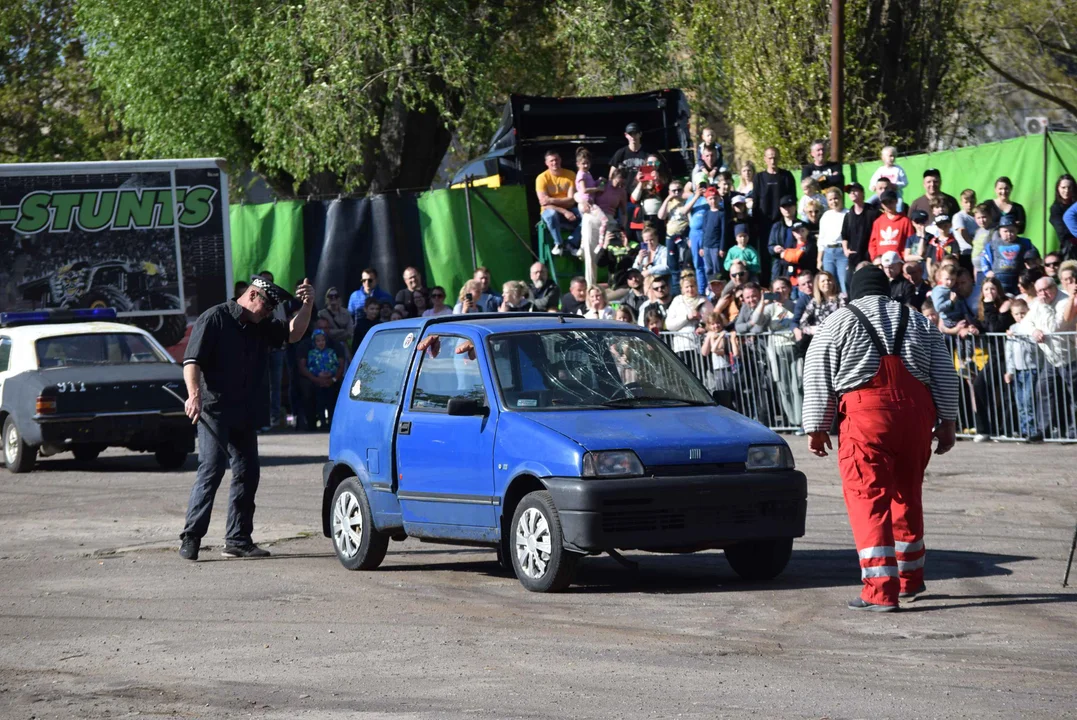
(764, 382)
(1038, 401)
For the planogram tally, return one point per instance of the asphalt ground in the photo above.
(100, 618)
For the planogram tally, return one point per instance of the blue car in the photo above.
(549, 437)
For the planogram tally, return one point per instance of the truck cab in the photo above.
(548, 438)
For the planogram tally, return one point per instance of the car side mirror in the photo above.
(465, 407)
(723, 398)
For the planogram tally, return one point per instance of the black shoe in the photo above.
(913, 593)
(862, 604)
(244, 551)
(1037, 438)
(189, 548)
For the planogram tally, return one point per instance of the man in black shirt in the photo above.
(827, 174)
(856, 227)
(631, 157)
(413, 283)
(771, 185)
(222, 368)
(541, 293)
(574, 302)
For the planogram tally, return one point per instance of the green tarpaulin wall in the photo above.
(1020, 159)
(447, 246)
(268, 237)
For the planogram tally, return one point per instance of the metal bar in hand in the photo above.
(205, 423)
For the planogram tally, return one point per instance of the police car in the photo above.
(71, 381)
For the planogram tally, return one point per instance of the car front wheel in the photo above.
(358, 544)
(760, 559)
(539, 558)
(18, 456)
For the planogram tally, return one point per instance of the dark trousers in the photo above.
(212, 463)
(1057, 388)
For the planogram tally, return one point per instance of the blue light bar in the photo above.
(63, 315)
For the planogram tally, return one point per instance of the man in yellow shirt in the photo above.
(555, 189)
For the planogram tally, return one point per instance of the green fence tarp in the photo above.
(1020, 159)
(268, 237)
(447, 246)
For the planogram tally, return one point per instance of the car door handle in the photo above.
(405, 428)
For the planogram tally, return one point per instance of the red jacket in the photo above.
(887, 235)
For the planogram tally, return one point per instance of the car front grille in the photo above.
(727, 468)
(618, 521)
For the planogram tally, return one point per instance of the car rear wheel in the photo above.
(760, 559)
(86, 453)
(170, 458)
(358, 544)
(18, 456)
(539, 558)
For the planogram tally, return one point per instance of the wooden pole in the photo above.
(837, 75)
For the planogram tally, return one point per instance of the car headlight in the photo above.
(612, 464)
(769, 457)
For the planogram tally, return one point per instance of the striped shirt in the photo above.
(841, 358)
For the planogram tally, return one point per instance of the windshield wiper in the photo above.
(632, 400)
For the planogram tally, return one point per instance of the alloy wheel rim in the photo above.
(347, 524)
(533, 543)
(11, 447)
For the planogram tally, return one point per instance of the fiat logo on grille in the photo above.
(694, 454)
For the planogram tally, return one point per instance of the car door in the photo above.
(5, 363)
(363, 424)
(445, 462)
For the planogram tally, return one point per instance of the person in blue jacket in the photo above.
(696, 207)
(1004, 256)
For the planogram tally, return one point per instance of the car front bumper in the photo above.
(135, 430)
(679, 514)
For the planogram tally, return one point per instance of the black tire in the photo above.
(19, 457)
(86, 453)
(107, 296)
(758, 560)
(538, 570)
(349, 511)
(167, 329)
(170, 458)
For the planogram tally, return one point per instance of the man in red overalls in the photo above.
(888, 372)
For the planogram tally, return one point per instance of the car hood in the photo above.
(662, 435)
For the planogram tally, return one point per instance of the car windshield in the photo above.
(96, 349)
(591, 369)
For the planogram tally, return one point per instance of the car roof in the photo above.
(45, 330)
(489, 323)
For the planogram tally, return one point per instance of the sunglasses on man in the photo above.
(368, 280)
(737, 274)
(1053, 264)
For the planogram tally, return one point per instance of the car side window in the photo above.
(380, 375)
(446, 373)
(5, 353)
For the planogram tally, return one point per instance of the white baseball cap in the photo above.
(891, 258)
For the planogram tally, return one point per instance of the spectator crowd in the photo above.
(738, 272)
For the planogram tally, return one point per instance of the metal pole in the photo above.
(837, 75)
(1073, 546)
(470, 224)
(1046, 201)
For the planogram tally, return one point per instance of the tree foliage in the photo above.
(317, 96)
(49, 109)
(1030, 45)
(905, 75)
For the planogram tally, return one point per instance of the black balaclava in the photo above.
(869, 281)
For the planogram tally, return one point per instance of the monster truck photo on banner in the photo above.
(148, 238)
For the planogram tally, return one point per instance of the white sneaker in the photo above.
(579, 253)
(556, 250)
(980, 437)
